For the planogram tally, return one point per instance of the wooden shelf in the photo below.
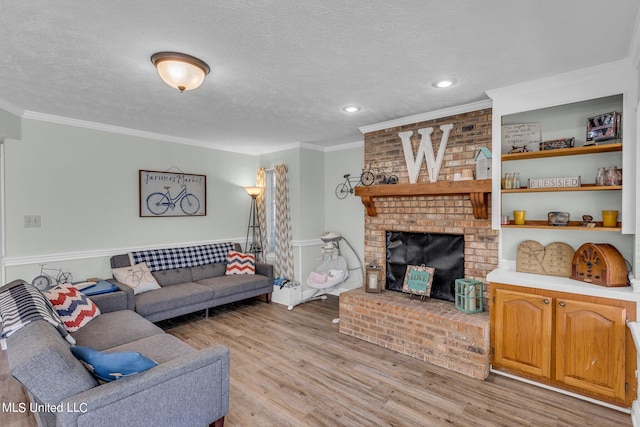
(573, 225)
(592, 149)
(478, 191)
(583, 187)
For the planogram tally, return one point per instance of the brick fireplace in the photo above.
(365, 315)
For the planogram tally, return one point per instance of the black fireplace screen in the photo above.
(444, 252)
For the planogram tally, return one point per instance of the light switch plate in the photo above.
(32, 221)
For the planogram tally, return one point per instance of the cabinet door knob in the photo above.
(561, 304)
(546, 301)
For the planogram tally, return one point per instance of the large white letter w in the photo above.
(425, 150)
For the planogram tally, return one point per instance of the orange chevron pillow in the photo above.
(74, 308)
(239, 263)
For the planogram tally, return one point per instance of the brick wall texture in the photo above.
(433, 330)
(438, 214)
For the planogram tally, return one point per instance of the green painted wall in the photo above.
(10, 126)
(84, 185)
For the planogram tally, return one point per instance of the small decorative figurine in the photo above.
(587, 221)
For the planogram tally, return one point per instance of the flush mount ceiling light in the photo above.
(444, 83)
(179, 70)
(351, 109)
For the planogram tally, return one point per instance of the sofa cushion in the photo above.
(171, 277)
(239, 263)
(74, 308)
(40, 359)
(137, 277)
(161, 348)
(113, 329)
(110, 366)
(235, 284)
(209, 270)
(171, 297)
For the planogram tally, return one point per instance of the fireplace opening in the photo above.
(444, 252)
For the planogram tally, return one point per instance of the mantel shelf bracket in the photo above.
(478, 191)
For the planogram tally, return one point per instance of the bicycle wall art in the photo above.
(172, 194)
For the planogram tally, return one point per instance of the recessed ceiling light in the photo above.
(444, 83)
(351, 109)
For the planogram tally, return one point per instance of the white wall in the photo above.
(313, 176)
(84, 185)
(345, 216)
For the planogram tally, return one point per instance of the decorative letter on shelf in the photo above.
(425, 149)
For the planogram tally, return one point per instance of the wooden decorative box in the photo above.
(600, 264)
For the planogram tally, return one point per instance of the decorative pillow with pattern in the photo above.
(112, 366)
(138, 277)
(74, 308)
(239, 263)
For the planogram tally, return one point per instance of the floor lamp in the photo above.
(253, 229)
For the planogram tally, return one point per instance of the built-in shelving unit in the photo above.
(563, 152)
(572, 225)
(560, 152)
(583, 187)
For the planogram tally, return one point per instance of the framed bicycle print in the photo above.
(172, 194)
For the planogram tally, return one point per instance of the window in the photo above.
(270, 209)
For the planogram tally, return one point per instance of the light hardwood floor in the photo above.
(293, 368)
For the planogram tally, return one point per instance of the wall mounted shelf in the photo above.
(583, 187)
(592, 149)
(573, 225)
(478, 191)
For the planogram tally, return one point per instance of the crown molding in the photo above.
(432, 115)
(50, 118)
(348, 146)
(612, 72)
(11, 108)
(66, 121)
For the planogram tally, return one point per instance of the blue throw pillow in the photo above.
(112, 366)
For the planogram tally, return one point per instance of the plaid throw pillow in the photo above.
(74, 308)
(239, 263)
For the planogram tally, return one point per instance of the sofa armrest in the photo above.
(112, 301)
(191, 390)
(127, 290)
(265, 269)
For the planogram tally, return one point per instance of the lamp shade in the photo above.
(253, 191)
(180, 71)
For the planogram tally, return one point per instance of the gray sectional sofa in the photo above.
(188, 387)
(185, 290)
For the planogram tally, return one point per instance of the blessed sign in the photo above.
(572, 181)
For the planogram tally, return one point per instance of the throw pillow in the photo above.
(112, 366)
(239, 263)
(138, 277)
(74, 308)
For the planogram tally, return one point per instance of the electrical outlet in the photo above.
(32, 221)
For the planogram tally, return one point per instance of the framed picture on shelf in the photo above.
(172, 194)
(520, 138)
(603, 127)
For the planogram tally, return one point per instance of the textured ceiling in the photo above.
(283, 70)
